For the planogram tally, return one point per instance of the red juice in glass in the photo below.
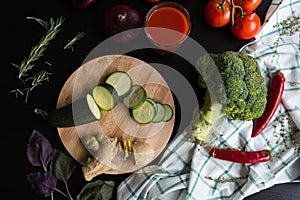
(167, 25)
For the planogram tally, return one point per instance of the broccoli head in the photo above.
(241, 90)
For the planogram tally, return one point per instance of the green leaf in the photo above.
(97, 190)
(62, 165)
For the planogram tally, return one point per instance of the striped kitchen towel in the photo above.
(185, 171)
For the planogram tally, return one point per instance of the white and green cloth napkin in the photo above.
(185, 171)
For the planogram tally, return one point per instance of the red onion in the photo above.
(82, 4)
(122, 20)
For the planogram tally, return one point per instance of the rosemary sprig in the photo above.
(38, 79)
(31, 82)
(37, 51)
(71, 43)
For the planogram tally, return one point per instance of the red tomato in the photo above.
(249, 5)
(218, 12)
(246, 26)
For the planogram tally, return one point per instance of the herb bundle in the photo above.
(27, 64)
(59, 166)
(29, 81)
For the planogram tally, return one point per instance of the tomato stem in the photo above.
(233, 7)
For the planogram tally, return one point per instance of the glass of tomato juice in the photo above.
(167, 25)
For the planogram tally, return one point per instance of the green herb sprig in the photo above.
(224, 180)
(52, 29)
(27, 64)
(71, 43)
(287, 27)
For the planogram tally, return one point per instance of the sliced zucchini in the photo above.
(82, 111)
(135, 98)
(121, 81)
(168, 112)
(105, 96)
(153, 102)
(160, 113)
(145, 113)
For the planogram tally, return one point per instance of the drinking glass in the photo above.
(167, 25)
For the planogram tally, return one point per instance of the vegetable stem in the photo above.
(62, 193)
(209, 113)
(233, 7)
(68, 191)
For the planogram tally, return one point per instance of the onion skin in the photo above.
(122, 20)
(82, 4)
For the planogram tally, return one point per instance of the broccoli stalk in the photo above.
(208, 114)
(234, 87)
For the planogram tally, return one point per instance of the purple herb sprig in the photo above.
(40, 153)
(59, 166)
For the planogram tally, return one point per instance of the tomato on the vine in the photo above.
(246, 25)
(249, 5)
(218, 12)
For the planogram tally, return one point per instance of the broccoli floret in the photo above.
(241, 94)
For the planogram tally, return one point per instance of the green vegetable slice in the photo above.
(94, 108)
(105, 96)
(82, 111)
(121, 81)
(153, 102)
(135, 98)
(160, 113)
(145, 113)
(168, 112)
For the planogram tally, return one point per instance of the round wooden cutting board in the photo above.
(117, 122)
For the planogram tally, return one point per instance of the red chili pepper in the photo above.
(273, 100)
(240, 156)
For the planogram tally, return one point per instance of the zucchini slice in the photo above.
(145, 113)
(168, 112)
(121, 81)
(153, 102)
(105, 96)
(135, 98)
(160, 113)
(82, 111)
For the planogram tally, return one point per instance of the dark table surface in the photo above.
(18, 120)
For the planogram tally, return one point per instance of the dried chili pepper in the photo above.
(240, 156)
(275, 92)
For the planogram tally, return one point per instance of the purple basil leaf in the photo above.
(42, 182)
(39, 150)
